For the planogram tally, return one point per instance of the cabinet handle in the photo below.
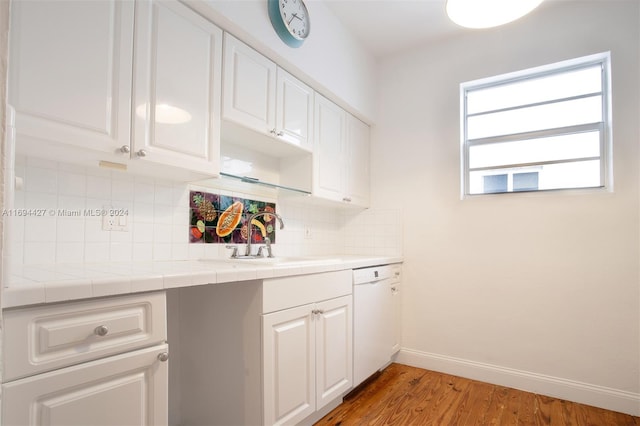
(125, 149)
(101, 330)
(317, 311)
(141, 153)
(393, 288)
(163, 357)
(347, 199)
(280, 133)
(272, 131)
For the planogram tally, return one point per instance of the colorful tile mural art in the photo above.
(220, 219)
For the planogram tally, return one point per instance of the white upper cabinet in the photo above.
(341, 155)
(177, 79)
(260, 96)
(357, 168)
(294, 110)
(70, 72)
(74, 67)
(249, 86)
(329, 158)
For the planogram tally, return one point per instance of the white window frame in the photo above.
(604, 127)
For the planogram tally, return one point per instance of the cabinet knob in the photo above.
(163, 357)
(101, 330)
(280, 133)
(125, 149)
(141, 153)
(272, 131)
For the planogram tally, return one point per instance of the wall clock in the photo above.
(290, 19)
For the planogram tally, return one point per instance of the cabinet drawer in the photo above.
(48, 337)
(287, 292)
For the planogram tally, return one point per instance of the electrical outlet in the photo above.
(115, 219)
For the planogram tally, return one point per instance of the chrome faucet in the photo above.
(267, 240)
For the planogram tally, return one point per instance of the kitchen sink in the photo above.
(285, 260)
(281, 260)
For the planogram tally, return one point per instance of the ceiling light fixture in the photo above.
(488, 13)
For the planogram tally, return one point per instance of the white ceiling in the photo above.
(387, 26)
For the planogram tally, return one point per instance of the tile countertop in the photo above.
(30, 285)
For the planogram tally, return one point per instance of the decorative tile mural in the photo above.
(222, 219)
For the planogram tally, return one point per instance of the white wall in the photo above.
(331, 59)
(521, 289)
(4, 31)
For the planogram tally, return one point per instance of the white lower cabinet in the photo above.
(261, 352)
(307, 355)
(99, 362)
(127, 389)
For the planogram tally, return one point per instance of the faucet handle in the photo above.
(267, 242)
(260, 253)
(234, 253)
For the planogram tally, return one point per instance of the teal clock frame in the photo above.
(278, 24)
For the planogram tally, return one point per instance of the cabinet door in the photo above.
(178, 83)
(294, 110)
(357, 165)
(70, 72)
(249, 95)
(334, 342)
(329, 158)
(288, 365)
(128, 389)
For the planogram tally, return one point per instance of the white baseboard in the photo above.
(557, 387)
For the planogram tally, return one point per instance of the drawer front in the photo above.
(287, 292)
(47, 337)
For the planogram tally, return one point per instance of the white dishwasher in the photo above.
(373, 325)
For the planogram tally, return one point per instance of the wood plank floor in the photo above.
(403, 395)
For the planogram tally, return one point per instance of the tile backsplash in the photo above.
(158, 219)
(222, 219)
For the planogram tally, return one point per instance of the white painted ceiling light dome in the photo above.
(488, 13)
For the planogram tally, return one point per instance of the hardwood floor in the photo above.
(403, 395)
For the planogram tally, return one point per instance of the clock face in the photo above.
(295, 17)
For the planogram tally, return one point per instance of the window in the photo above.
(539, 129)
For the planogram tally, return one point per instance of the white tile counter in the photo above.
(31, 285)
